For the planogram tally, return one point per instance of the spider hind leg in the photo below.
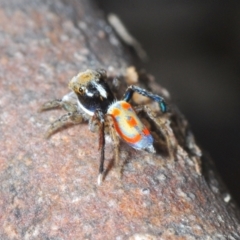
(162, 129)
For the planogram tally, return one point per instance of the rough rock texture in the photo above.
(48, 188)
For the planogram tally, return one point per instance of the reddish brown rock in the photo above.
(48, 188)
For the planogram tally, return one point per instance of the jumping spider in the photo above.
(92, 99)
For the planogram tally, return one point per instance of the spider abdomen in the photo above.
(129, 127)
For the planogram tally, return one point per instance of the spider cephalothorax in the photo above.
(92, 91)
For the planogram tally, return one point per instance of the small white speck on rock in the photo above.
(191, 196)
(161, 177)
(145, 191)
(227, 198)
(139, 236)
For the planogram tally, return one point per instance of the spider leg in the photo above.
(100, 116)
(131, 89)
(56, 103)
(66, 119)
(93, 124)
(69, 104)
(115, 139)
(163, 126)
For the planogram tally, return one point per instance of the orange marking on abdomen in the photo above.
(131, 140)
(125, 105)
(132, 122)
(146, 131)
(115, 112)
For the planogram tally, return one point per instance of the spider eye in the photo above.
(81, 90)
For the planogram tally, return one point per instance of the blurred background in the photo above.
(194, 51)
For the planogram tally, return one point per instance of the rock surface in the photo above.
(48, 188)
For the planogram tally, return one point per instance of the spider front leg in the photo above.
(99, 115)
(131, 89)
(68, 103)
(99, 119)
(64, 120)
(56, 103)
